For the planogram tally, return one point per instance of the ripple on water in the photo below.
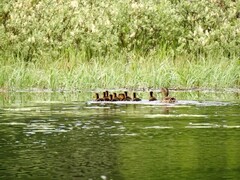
(203, 126)
(158, 127)
(22, 109)
(97, 107)
(206, 125)
(173, 115)
(124, 134)
(40, 127)
(226, 126)
(14, 124)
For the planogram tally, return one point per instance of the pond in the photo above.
(46, 135)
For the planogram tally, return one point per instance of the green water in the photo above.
(61, 136)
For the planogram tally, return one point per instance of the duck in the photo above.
(152, 98)
(166, 97)
(127, 98)
(115, 98)
(105, 96)
(135, 97)
(121, 96)
(107, 93)
(98, 98)
(112, 98)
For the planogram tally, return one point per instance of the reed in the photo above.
(140, 72)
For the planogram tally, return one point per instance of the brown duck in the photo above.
(105, 96)
(166, 97)
(112, 98)
(121, 97)
(152, 98)
(115, 98)
(135, 98)
(98, 98)
(127, 98)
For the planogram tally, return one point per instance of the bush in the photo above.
(33, 29)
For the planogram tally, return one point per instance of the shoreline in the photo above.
(39, 90)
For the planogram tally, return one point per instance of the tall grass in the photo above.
(57, 44)
(127, 70)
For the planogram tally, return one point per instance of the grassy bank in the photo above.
(130, 71)
(56, 44)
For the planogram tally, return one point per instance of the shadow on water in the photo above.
(66, 136)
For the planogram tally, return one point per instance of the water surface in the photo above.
(66, 136)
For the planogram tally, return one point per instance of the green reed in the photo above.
(127, 70)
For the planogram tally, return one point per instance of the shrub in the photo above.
(33, 29)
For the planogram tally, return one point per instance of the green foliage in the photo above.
(210, 26)
(35, 28)
(89, 44)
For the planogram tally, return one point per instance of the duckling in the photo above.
(135, 97)
(112, 98)
(98, 98)
(152, 98)
(115, 97)
(107, 93)
(105, 96)
(121, 97)
(127, 98)
(166, 97)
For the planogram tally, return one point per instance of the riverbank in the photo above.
(129, 71)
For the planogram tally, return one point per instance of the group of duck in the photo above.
(125, 97)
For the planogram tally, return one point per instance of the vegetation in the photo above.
(57, 44)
